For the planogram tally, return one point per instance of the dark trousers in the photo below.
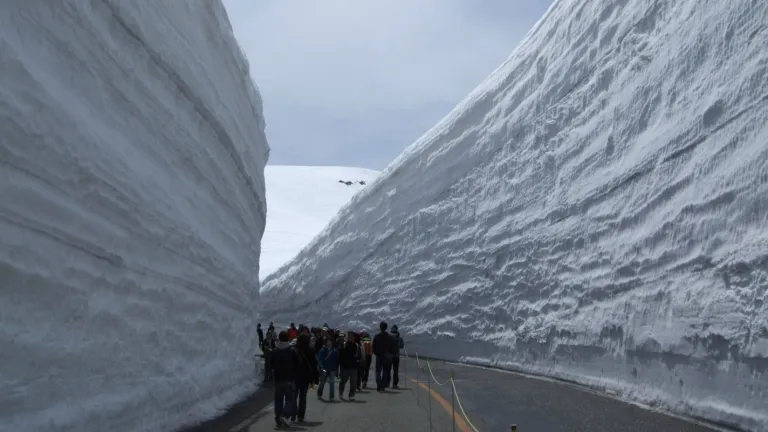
(382, 372)
(360, 369)
(284, 399)
(301, 399)
(395, 371)
(351, 376)
(366, 369)
(268, 366)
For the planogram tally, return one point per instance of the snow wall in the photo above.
(597, 210)
(132, 151)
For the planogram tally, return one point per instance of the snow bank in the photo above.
(131, 177)
(302, 200)
(596, 210)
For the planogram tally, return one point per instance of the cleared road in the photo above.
(495, 399)
(492, 399)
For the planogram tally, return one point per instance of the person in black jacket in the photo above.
(269, 348)
(285, 367)
(348, 363)
(305, 376)
(399, 344)
(260, 332)
(383, 349)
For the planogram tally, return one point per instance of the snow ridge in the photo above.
(595, 210)
(133, 205)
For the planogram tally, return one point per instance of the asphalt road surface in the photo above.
(493, 400)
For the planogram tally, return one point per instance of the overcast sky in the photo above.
(354, 82)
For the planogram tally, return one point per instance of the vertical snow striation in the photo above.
(596, 211)
(132, 206)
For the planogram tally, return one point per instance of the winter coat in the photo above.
(285, 362)
(328, 359)
(349, 356)
(398, 343)
(308, 366)
(383, 345)
(269, 345)
(367, 347)
(320, 344)
(360, 356)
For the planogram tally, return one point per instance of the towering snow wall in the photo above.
(132, 151)
(596, 210)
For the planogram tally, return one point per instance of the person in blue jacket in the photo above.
(328, 362)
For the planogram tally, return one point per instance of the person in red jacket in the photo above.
(293, 332)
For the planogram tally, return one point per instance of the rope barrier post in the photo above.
(453, 405)
(429, 388)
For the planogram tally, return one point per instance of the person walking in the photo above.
(293, 332)
(339, 344)
(360, 360)
(321, 339)
(260, 332)
(305, 376)
(285, 365)
(383, 349)
(349, 364)
(398, 345)
(269, 349)
(367, 359)
(328, 360)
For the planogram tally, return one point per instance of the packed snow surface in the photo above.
(301, 201)
(596, 210)
(131, 213)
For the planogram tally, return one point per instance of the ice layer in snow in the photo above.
(131, 212)
(301, 201)
(596, 210)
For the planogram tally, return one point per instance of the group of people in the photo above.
(298, 359)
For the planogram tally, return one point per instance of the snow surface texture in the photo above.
(596, 210)
(132, 206)
(301, 201)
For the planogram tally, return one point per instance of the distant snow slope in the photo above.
(131, 211)
(301, 201)
(596, 210)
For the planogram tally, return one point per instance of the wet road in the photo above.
(494, 400)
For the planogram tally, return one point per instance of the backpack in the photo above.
(368, 347)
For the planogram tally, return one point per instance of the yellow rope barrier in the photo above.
(453, 385)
